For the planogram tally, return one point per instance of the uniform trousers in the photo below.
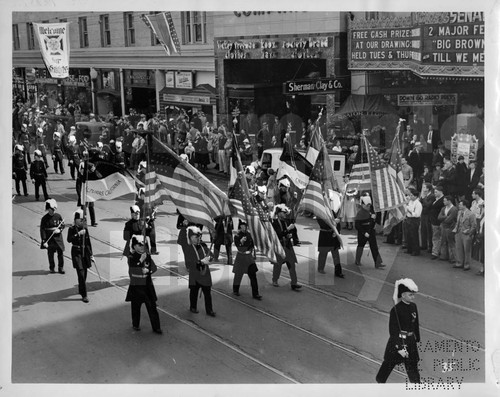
(252, 275)
(323, 254)
(51, 251)
(463, 245)
(425, 232)
(58, 162)
(154, 317)
(291, 270)
(436, 240)
(42, 183)
(25, 189)
(372, 241)
(412, 242)
(221, 160)
(387, 366)
(81, 270)
(193, 296)
(447, 244)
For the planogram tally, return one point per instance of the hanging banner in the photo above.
(54, 45)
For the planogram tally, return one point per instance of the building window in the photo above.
(63, 20)
(129, 29)
(31, 36)
(84, 33)
(154, 40)
(15, 37)
(194, 23)
(105, 32)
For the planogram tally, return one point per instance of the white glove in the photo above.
(45, 245)
(367, 235)
(81, 232)
(403, 353)
(57, 231)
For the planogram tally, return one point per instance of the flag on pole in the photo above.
(196, 197)
(244, 206)
(163, 28)
(103, 180)
(315, 198)
(359, 178)
(295, 166)
(386, 191)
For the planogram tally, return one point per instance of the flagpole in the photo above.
(147, 136)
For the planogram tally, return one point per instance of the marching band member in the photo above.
(51, 227)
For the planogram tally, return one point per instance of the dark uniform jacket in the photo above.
(326, 238)
(141, 286)
(38, 171)
(364, 222)
(57, 149)
(198, 272)
(50, 222)
(73, 154)
(132, 228)
(81, 247)
(19, 166)
(282, 233)
(223, 230)
(403, 317)
(244, 257)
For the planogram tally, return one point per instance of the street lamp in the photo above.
(93, 79)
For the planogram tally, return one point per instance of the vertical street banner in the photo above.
(53, 39)
(163, 28)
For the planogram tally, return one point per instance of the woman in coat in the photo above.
(141, 289)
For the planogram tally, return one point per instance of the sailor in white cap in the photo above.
(57, 153)
(51, 227)
(38, 175)
(365, 225)
(19, 169)
(284, 232)
(81, 251)
(197, 257)
(404, 333)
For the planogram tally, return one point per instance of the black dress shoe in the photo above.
(154, 253)
(339, 275)
(158, 331)
(193, 310)
(85, 299)
(61, 271)
(211, 314)
(258, 297)
(236, 293)
(52, 271)
(136, 328)
(321, 271)
(296, 287)
(94, 224)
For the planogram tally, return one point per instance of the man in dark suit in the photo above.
(473, 177)
(434, 211)
(433, 138)
(416, 162)
(439, 156)
(448, 219)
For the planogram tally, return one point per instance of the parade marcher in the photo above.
(40, 144)
(246, 153)
(413, 213)
(85, 168)
(223, 236)
(245, 262)
(465, 230)
(81, 251)
(404, 333)
(284, 232)
(448, 220)
(119, 156)
(141, 289)
(149, 221)
(24, 139)
(19, 169)
(57, 153)
(284, 195)
(38, 175)
(73, 154)
(51, 227)
(365, 225)
(329, 240)
(133, 227)
(197, 257)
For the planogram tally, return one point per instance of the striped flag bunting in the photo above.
(244, 206)
(106, 182)
(386, 191)
(315, 198)
(168, 176)
(163, 28)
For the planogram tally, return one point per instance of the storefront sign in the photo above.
(427, 99)
(447, 43)
(184, 80)
(298, 47)
(312, 86)
(192, 99)
(169, 79)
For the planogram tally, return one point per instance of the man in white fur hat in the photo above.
(51, 227)
(404, 333)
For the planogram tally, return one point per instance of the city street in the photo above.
(334, 331)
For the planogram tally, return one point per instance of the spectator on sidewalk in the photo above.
(448, 220)
(464, 233)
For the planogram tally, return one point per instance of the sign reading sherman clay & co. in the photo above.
(444, 43)
(316, 86)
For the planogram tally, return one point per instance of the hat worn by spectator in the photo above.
(401, 286)
(50, 204)
(135, 209)
(78, 214)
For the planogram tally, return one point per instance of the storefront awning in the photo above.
(203, 94)
(356, 105)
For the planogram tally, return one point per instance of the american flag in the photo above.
(385, 189)
(395, 215)
(163, 28)
(295, 166)
(168, 176)
(359, 178)
(244, 206)
(315, 197)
